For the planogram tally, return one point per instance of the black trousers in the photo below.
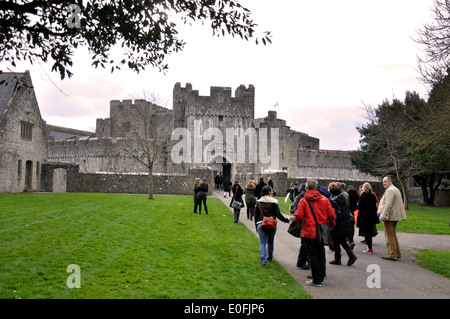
(316, 254)
(198, 203)
(250, 210)
(303, 257)
(337, 243)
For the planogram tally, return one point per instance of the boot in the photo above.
(351, 257)
(337, 259)
(335, 262)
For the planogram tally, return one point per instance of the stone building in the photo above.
(218, 132)
(214, 131)
(200, 136)
(23, 136)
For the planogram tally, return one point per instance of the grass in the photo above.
(434, 260)
(284, 207)
(130, 247)
(424, 220)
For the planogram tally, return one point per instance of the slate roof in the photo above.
(8, 84)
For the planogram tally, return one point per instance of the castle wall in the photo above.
(323, 164)
(215, 113)
(105, 155)
(208, 118)
(219, 106)
(76, 181)
(289, 142)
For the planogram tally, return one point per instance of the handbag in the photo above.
(323, 231)
(295, 229)
(355, 213)
(268, 223)
(236, 204)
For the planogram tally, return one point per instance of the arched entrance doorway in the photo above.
(221, 166)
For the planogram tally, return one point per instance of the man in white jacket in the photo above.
(391, 210)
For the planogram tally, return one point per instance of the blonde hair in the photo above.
(197, 181)
(367, 188)
(333, 184)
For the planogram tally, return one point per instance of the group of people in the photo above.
(252, 192)
(337, 206)
(200, 194)
(341, 209)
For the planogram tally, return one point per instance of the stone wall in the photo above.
(137, 183)
(106, 154)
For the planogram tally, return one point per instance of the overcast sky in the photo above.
(327, 59)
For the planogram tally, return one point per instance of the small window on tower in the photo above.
(26, 130)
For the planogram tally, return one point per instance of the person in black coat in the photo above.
(237, 196)
(367, 216)
(201, 195)
(342, 229)
(353, 196)
(259, 187)
(226, 187)
(196, 189)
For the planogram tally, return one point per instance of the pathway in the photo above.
(401, 279)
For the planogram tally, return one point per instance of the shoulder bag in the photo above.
(295, 229)
(268, 223)
(323, 231)
(236, 204)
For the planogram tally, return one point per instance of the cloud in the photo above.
(336, 128)
(82, 97)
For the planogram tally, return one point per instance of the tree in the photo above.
(435, 38)
(402, 139)
(144, 128)
(145, 30)
(382, 151)
(428, 138)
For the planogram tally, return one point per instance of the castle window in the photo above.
(220, 118)
(19, 169)
(126, 127)
(26, 130)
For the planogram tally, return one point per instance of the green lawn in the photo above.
(434, 260)
(424, 220)
(130, 247)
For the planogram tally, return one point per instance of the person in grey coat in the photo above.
(391, 210)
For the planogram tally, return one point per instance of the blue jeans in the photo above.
(266, 238)
(237, 213)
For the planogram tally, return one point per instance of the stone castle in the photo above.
(203, 136)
